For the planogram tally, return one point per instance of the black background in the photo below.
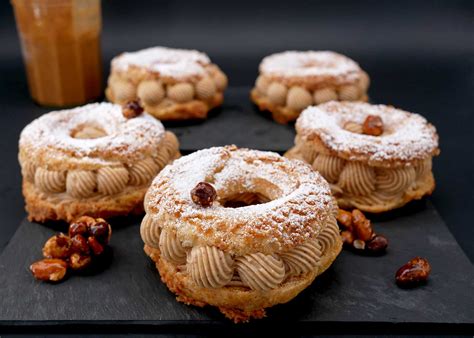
(419, 54)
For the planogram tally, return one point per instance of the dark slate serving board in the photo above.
(356, 294)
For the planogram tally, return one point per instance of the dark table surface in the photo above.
(419, 54)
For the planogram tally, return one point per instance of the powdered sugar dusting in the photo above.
(299, 208)
(170, 62)
(51, 134)
(309, 63)
(407, 136)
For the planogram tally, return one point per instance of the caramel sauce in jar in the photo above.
(60, 41)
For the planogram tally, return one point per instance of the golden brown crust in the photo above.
(236, 303)
(41, 209)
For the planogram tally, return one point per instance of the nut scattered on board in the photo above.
(203, 194)
(373, 125)
(132, 109)
(57, 246)
(87, 240)
(377, 244)
(357, 233)
(413, 273)
(49, 269)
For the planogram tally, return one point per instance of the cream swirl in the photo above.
(28, 170)
(142, 172)
(260, 272)
(357, 178)
(171, 248)
(329, 236)
(329, 166)
(150, 232)
(50, 181)
(111, 180)
(210, 267)
(394, 181)
(81, 183)
(424, 167)
(303, 258)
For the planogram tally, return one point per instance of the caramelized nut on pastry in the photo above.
(377, 244)
(362, 227)
(413, 273)
(79, 262)
(344, 218)
(132, 109)
(373, 125)
(57, 246)
(203, 194)
(95, 246)
(49, 269)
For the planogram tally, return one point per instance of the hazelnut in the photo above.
(78, 228)
(378, 244)
(358, 244)
(413, 273)
(101, 230)
(344, 218)
(362, 227)
(79, 262)
(95, 246)
(132, 109)
(373, 125)
(79, 245)
(203, 194)
(49, 269)
(347, 237)
(57, 247)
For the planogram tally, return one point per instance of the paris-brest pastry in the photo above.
(375, 157)
(291, 81)
(239, 229)
(94, 160)
(171, 84)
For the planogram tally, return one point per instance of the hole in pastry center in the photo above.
(88, 132)
(243, 200)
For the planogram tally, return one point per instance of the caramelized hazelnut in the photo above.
(344, 218)
(95, 246)
(347, 237)
(132, 109)
(377, 244)
(373, 125)
(203, 194)
(79, 262)
(78, 228)
(57, 247)
(101, 230)
(79, 245)
(358, 244)
(413, 273)
(49, 269)
(362, 227)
